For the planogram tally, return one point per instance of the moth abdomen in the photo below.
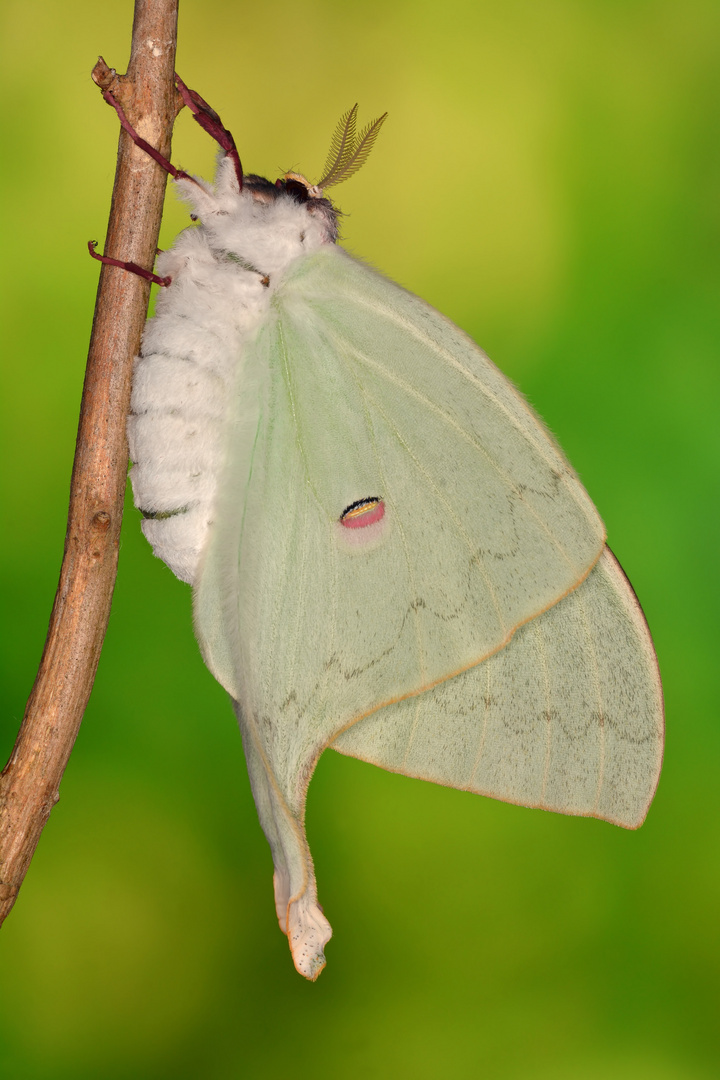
(175, 439)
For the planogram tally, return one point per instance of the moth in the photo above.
(389, 554)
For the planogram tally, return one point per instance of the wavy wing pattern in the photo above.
(567, 717)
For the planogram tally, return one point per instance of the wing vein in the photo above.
(293, 410)
(545, 447)
(362, 358)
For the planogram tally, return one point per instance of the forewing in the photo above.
(371, 393)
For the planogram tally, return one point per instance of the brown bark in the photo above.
(30, 781)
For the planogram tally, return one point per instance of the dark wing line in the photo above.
(451, 675)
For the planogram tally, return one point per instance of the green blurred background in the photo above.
(549, 177)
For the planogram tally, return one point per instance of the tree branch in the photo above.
(30, 781)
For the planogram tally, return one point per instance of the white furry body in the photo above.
(189, 376)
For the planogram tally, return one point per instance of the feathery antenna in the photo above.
(348, 151)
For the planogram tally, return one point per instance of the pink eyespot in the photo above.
(361, 513)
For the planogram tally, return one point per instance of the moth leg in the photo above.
(299, 914)
(205, 116)
(142, 144)
(209, 121)
(132, 267)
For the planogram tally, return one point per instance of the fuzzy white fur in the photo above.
(224, 272)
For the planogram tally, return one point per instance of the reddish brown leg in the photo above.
(131, 266)
(206, 117)
(177, 174)
(209, 121)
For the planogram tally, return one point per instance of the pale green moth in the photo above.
(389, 554)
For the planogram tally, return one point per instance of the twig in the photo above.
(30, 781)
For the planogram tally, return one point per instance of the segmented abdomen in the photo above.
(183, 386)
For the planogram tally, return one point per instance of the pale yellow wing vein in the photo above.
(362, 358)
(545, 447)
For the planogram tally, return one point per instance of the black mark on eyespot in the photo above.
(161, 515)
(363, 512)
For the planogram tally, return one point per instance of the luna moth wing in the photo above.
(362, 390)
(390, 554)
(567, 717)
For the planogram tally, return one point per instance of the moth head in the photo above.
(349, 150)
(268, 224)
